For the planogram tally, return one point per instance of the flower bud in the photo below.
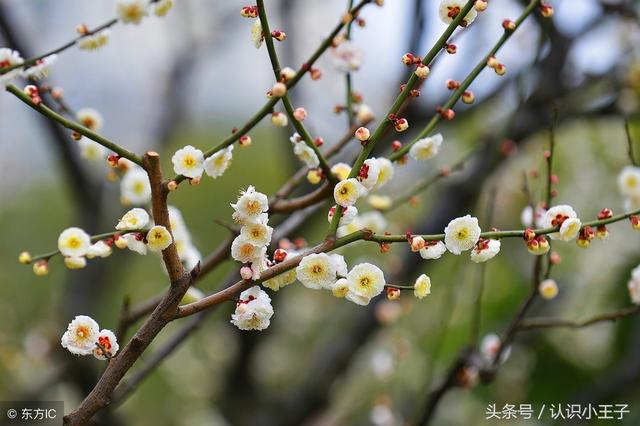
(112, 160)
(396, 145)
(452, 84)
(417, 244)
(194, 181)
(119, 242)
(548, 289)
(279, 255)
(172, 185)
(24, 258)
(468, 97)
(529, 234)
(408, 59)
(451, 48)
(555, 258)
(249, 12)
(492, 62)
(318, 141)
(500, 69)
(508, 25)
(546, 10)
(393, 293)
(362, 134)
(278, 35)
(315, 73)
(314, 176)
(76, 136)
(41, 268)
(300, 114)
(605, 214)
(481, 5)
(82, 29)
(422, 70)
(448, 114)
(244, 141)
(246, 273)
(635, 222)
(602, 232)
(278, 119)
(364, 114)
(279, 90)
(401, 124)
(30, 90)
(287, 74)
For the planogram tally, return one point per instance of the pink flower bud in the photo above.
(300, 114)
(362, 134)
(245, 273)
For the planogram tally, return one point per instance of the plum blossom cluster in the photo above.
(191, 163)
(330, 272)
(12, 60)
(250, 247)
(253, 310)
(84, 337)
(133, 11)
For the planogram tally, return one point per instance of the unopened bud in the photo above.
(300, 114)
(362, 134)
(393, 293)
(24, 258)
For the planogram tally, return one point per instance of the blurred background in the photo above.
(191, 77)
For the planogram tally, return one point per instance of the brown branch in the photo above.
(100, 396)
(294, 204)
(535, 323)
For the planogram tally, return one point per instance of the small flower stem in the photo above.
(397, 104)
(535, 323)
(348, 77)
(94, 239)
(467, 81)
(72, 125)
(275, 64)
(630, 150)
(400, 287)
(362, 235)
(30, 62)
(268, 107)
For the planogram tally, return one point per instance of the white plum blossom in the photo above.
(449, 9)
(253, 311)
(426, 148)
(245, 251)
(163, 7)
(349, 214)
(347, 192)
(385, 172)
(90, 118)
(369, 173)
(364, 114)
(134, 219)
(365, 282)
(257, 36)
(40, 69)
(629, 181)
(634, 286)
(347, 57)
(374, 221)
(218, 163)
(9, 58)
(81, 335)
(74, 242)
(135, 187)
(340, 264)
(340, 288)
(462, 234)
(91, 150)
(422, 286)
(107, 345)
(304, 152)
(380, 202)
(556, 216)
(131, 11)
(282, 280)
(570, 229)
(99, 249)
(485, 250)
(341, 170)
(433, 250)
(158, 238)
(250, 207)
(548, 289)
(75, 262)
(135, 243)
(317, 271)
(94, 42)
(188, 161)
(528, 218)
(258, 234)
